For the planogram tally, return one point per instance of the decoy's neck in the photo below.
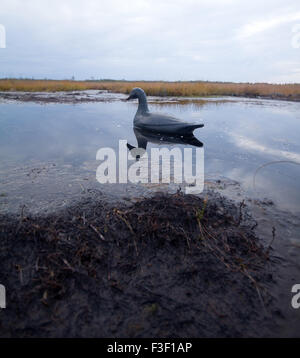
(143, 105)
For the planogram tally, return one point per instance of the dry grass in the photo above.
(158, 88)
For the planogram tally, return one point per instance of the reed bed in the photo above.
(186, 89)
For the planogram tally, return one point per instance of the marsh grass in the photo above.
(187, 89)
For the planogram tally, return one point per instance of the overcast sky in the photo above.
(225, 40)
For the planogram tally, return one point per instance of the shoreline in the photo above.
(83, 96)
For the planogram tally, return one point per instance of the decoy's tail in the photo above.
(129, 146)
(192, 140)
(190, 128)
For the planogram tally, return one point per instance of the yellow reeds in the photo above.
(158, 88)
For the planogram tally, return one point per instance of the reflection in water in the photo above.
(252, 145)
(194, 104)
(143, 137)
(161, 169)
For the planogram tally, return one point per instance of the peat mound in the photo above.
(165, 266)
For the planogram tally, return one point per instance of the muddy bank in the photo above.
(275, 96)
(88, 96)
(165, 266)
(71, 97)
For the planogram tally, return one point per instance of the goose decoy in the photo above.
(157, 122)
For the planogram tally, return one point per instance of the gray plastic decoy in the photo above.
(157, 122)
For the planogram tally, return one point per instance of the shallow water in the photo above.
(255, 142)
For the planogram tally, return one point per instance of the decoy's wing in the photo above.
(162, 123)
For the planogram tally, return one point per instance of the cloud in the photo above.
(256, 27)
(146, 39)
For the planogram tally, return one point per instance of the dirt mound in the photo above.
(166, 266)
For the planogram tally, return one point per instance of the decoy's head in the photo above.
(136, 93)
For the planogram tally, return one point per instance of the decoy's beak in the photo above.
(129, 98)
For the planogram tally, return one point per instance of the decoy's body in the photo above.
(156, 122)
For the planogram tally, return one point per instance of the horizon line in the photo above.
(150, 81)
